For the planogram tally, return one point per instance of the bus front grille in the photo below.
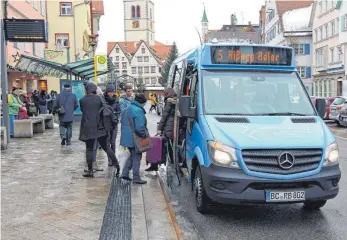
(274, 160)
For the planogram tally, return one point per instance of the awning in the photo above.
(43, 67)
(85, 68)
(40, 67)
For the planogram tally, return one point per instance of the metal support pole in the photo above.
(67, 54)
(5, 117)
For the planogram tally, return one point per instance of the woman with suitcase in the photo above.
(166, 124)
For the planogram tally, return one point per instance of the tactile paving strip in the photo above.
(117, 218)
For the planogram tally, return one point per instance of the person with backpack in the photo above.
(14, 104)
(95, 123)
(50, 101)
(112, 101)
(65, 105)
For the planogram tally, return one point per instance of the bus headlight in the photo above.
(223, 155)
(331, 155)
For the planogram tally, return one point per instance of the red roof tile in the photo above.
(98, 7)
(285, 5)
(159, 49)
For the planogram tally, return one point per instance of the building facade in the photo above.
(287, 23)
(27, 9)
(70, 30)
(342, 7)
(139, 58)
(139, 21)
(328, 65)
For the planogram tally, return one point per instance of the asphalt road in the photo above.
(262, 221)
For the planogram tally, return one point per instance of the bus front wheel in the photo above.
(201, 199)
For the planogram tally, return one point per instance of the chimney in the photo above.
(232, 20)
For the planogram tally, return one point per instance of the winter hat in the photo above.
(91, 87)
(140, 98)
(67, 85)
(110, 88)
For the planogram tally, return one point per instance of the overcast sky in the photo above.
(176, 20)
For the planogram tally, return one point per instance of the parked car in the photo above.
(313, 99)
(328, 102)
(336, 107)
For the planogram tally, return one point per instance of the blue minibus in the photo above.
(247, 131)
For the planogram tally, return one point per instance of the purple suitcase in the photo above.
(154, 155)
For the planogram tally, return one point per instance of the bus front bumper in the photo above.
(233, 186)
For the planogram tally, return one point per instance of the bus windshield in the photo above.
(255, 93)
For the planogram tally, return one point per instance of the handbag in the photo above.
(141, 144)
(32, 109)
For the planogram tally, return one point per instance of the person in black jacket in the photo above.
(90, 130)
(112, 101)
(166, 124)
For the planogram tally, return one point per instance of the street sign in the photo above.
(25, 30)
(101, 63)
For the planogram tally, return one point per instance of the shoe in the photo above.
(152, 168)
(140, 181)
(127, 178)
(89, 174)
(68, 144)
(116, 166)
(63, 141)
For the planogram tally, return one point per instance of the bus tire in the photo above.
(201, 198)
(314, 205)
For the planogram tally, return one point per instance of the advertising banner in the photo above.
(77, 88)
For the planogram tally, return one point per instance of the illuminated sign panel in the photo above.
(248, 55)
(25, 30)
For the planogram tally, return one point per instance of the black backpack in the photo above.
(107, 119)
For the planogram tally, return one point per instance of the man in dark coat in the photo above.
(70, 103)
(91, 130)
(112, 101)
(166, 124)
(135, 116)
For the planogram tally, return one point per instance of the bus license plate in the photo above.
(276, 196)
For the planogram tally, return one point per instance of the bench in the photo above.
(3, 138)
(25, 128)
(49, 120)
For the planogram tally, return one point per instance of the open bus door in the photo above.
(173, 167)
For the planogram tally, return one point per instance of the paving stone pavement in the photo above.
(44, 195)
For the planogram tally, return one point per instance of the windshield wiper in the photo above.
(283, 114)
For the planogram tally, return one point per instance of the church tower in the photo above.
(139, 21)
(204, 27)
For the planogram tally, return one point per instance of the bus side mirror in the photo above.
(320, 106)
(185, 108)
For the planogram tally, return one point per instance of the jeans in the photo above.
(43, 109)
(95, 149)
(12, 118)
(133, 162)
(90, 151)
(65, 129)
(112, 136)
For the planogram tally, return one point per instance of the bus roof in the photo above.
(241, 56)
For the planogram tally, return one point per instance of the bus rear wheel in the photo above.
(201, 199)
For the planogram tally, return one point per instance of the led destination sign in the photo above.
(248, 55)
(25, 30)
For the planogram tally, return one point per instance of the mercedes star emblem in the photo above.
(286, 160)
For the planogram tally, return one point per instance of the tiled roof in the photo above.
(98, 7)
(285, 5)
(159, 49)
(228, 35)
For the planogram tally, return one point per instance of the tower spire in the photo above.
(204, 16)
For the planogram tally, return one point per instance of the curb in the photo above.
(171, 210)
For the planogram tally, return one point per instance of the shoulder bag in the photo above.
(141, 144)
